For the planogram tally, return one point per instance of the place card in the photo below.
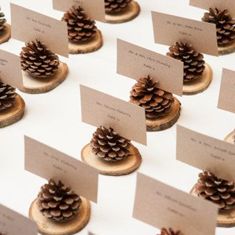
(142, 62)
(28, 25)
(50, 163)
(100, 109)
(95, 9)
(206, 153)
(169, 29)
(222, 5)
(160, 205)
(13, 223)
(227, 91)
(8, 75)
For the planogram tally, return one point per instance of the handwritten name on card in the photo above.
(13, 223)
(227, 91)
(48, 163)
(28, 25)
(161, 205)
(95, 9)
(100, 109)
(169, 29)
(8, 75)
(142, 62)
(206, 153)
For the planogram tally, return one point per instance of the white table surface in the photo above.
(54, 119)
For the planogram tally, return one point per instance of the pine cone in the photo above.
(38, 60)
(147, 94)
(109, 146)
(58, 202)
(225, 25)
(193, 61)
(219, 191)
(7, 96)
(116, 6)
(169, 231)
(80, 27)
(2, 22)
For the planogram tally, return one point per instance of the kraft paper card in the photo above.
(95, 9)
(160, 205)
(10, 70)
(13, 223)
(220, 4)
(206, 153)
(28, 25)
(142, 62)
(169, 29)
(227, 91)
(48, 163)
(100, 109)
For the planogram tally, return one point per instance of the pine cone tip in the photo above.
(169, 231)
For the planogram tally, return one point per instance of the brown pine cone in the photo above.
(80, 27)
(225, 25)
(116, 6)
(38, 60)
(109, 146)
(219, 191)
(169, 231)
(147, 94)
(7, 96)
(58, 202)
(194, 64)
(2, 22)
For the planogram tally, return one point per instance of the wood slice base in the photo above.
(123, 167)
(225, 218)
(230, 138)
(167, 121)
(14, 114)
(6, 34)
(131, 12)
(199, 85)
(93, 45)
(37, 86)
(47, 227)
(227, 49)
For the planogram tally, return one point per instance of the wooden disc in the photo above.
(6, 34)
(227, 49)
(128, 14)
(200, 84)
(37, 86)
(118, 168)
(230, 138)
(13, 114)
(225, 218)
(94, 44)
(167, 121)
(48, 227)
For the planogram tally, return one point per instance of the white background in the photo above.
(54, 119)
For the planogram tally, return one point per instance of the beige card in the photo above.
(100, 109)
(10, 70)
(95, 9)
(206, 153)
(13, 223)
(220, 4)
(169, 29)
(227, 91)
(142, 62)
(161, 205)
(29, 25)
(48, 163)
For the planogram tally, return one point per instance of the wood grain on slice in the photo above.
(6, 34)
(48, 227)
(230, 137)
(131, 12)
(118, 168)
(227, 49)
